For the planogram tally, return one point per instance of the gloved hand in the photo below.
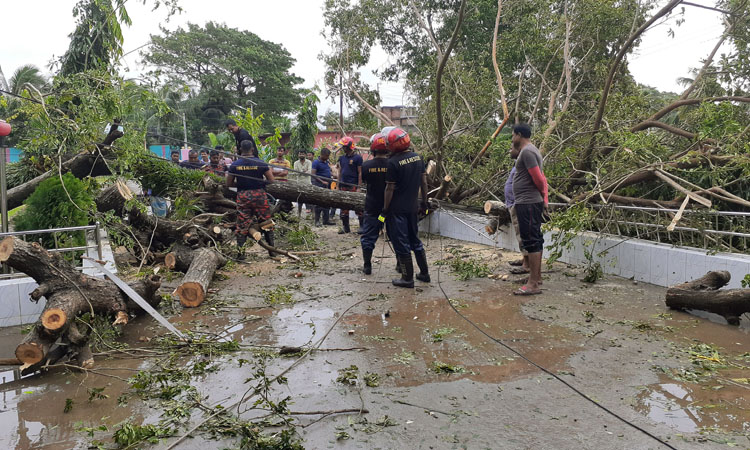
(424, 208)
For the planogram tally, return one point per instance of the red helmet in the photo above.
(377, 142)
(396, 139)
(347, 142)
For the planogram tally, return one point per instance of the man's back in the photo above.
(241, 135)
(524, 189)
(249, 173)
(405, 170)
(374, 174)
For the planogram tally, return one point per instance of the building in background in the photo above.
(402, 116)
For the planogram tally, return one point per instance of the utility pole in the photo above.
(184, 130)
(341, 101)
(5, 130)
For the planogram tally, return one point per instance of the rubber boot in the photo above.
(398, 265)
(269, 240)
(326, 217)
(344, 225)
(421, 258)
(407, 272)
(367, 257)
(241, 247)
(317, 215)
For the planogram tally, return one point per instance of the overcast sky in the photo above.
(35, 30)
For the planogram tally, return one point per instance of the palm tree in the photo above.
(28, 73)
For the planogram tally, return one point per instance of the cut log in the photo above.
(709, 282)
(179, 258)
(68, 293)
(194, 287)
(494, 207)
(113, 198)
(492, 226)
(498, 212)
(704, 294)
(255, 233)
(443, 187)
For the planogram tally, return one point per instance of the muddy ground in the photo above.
(678, 376)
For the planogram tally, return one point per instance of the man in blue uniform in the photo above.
(252, 203)
(373, 174)
(320, 168)
(350, 177)
(405, 176)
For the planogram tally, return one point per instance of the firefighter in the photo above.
(404, 178)
(247, 175)
(373, 174)
(349, 176)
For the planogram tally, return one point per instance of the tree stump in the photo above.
(704, 294)
(194, 287)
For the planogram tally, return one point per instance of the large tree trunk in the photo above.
(68, 293)
(285, 190)
(194, 287)
(81, 165)
(704, 294)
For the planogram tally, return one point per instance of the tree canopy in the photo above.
(228, 67)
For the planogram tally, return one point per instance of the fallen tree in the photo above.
(89, 163)
(705, 294)
(69, 293)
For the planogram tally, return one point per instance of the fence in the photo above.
(55, 232)
(710, 230)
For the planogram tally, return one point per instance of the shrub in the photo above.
(50, 206)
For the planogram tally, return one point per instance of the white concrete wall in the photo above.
(650, 262)
(16, 307)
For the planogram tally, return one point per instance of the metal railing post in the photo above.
(98, 238)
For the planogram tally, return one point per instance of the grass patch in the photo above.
(348, 375)
(441, 367)
(440, 334)
(465, 267)
(279, 295)
(405, 357)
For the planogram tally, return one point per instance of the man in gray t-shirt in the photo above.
(530, 192)
(524, 189)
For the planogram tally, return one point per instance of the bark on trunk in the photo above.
(287, 190)
(68, 293)
(704, 294)
(194, 287)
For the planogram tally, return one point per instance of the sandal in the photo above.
(525, 290)
(518, 262)
(519, 271)
(525, 280)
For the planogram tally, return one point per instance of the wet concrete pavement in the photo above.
(614, 340)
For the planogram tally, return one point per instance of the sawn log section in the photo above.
(69, 293)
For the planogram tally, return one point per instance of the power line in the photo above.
(539, 366)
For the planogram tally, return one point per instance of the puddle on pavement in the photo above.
(31, 411)
(689, 407)
(416, 334)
